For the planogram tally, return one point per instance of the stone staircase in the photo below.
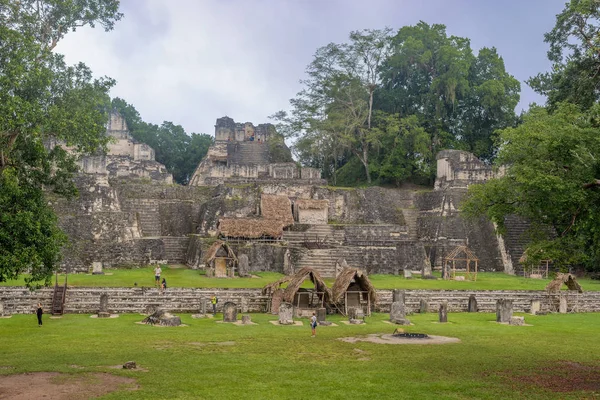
(515, 239)
(316, 233)
(248, 153)
(175, 248)
(147, 214)
(410, 217)
(323, 260)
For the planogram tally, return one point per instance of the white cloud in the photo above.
(191, 62)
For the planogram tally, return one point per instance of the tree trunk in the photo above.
(370, 108)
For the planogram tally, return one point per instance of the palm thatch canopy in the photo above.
(211, 253)
(278, 208)
(345, 278)
(461, 253)
(310, 204)
(567, 279)
(299, 277)
(250, 228)
(273, 286)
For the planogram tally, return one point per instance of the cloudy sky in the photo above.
(192, 61)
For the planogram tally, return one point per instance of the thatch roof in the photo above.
(310, 204)
(461, 253)
(278, 208)
(567, 279)
(273, 286)
(250, 228)
(211, 253)
(343, 280)
(299, 277)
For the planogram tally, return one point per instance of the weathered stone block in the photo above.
(243, 265)
(562, 306)
(286, 312)
(229, 312)
(504, 310)
(517, 321)
(535, 307)
(443, 313)
(246, 319)
(472, 304)
(423, 306)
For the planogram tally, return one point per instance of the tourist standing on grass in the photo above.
(157, 272)
(214, 301)
(39, 313)
(313, 324)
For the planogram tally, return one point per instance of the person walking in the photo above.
(313, 324)
(39, 313)
(163, 285)
(157, 272)
(214, 301)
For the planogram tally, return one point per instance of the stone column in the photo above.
(562, 306)
(398, 310)
(286, 312)
(472, 304)
(243, 265)
(443, 312)
(244, 304)
(103, 309)
(423, 306)
(504, 310)
(203, 302)
(229, 312)
(321, 314)
(535, 307)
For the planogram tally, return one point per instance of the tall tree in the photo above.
(575, 56)
(43, 102)
(338, 96)
(552, 179)
(459, 98)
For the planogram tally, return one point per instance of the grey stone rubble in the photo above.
(355, 316)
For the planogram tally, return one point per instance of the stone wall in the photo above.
(19, 300)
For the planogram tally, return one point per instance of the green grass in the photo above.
(183, 277)
(274, 362)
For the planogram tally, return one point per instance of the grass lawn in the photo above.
(183, 277)
(209, 360)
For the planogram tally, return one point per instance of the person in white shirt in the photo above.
(313, 324)
(157, 272)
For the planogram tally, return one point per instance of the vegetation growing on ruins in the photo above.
(379, 107)
(552, 178)
(215, 360)
(179, 151)
(43, 101)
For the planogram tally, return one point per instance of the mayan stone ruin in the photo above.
(275, 216)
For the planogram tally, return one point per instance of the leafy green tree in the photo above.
(575, 56)
(551, 179)
(43, 102)
(460, 99)
(337, 100)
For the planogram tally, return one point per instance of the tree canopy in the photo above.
(392, 101)
(43, 102)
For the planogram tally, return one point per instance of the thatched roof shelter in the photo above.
(211, 253)
(273, 286)
(299, 277)
(345, 278)
(250, 228)
(460, 253)
(310, 204)
(567, 279)
(277, 208)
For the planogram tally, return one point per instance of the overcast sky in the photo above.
(193, 61)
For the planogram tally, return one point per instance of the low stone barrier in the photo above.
(86, 300)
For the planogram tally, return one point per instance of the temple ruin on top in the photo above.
(249, 193)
